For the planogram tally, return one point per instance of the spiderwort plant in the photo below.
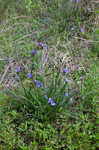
(41, 98)
(53, 102)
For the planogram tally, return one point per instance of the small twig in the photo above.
(4, 74)
(11, 27)
(91, 41)
(17, 17)
(3, 59)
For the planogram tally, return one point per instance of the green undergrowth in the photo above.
(76, 131)
(25, 133)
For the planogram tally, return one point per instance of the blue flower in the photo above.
(75, 1)
(33, 51)
(66, 94)
(43, 45)
(51, 102)
(30, 75)
(73, 28)
(18, 69)
(65, 70)
(89, 9)
(67, 80)
(38, 84)
(45, 97)
(81, 30)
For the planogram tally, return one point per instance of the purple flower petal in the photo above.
(75, 1)
(51, 102)
(66, 94)
(45, 97)
(65, 70)
(18, 69)
(73, 28)
(43, 45)
(38, 84)
(89, 9)
(81, 30)
(67, 80)
(30, 75)
(33, 51)
(35, 81)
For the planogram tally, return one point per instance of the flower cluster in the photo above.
(81, 29)
(43, 45)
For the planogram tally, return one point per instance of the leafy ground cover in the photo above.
(49, 75)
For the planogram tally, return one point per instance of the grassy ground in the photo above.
(43, 106)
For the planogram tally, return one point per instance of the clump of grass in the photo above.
(48, 94)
